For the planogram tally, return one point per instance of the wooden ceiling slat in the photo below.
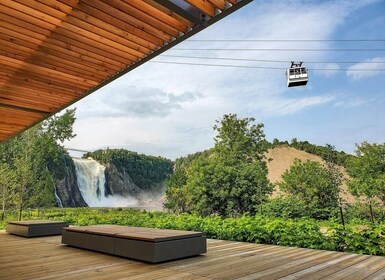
(31, 82)
(51, 23)
(28, 105)
(88, 32)
(45, 9)
(118, 57)
(16, 114)
(158, 14)
(204, 6)
(24, 8)
(128, 9)
(16, 122)
(62, 44)
(55, 96)
(232, 1)
(55, 62)
(117, 22)
(49, 72)
(93, 20)
(219, 4)
(129, 19)
(169, 13)
(28, 19)
(36, 85)
(32, 99)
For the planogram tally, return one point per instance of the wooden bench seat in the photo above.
(35, 228)
(145, 244)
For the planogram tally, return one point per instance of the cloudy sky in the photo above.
(170, 109)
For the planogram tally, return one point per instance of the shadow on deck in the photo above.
(46, 258)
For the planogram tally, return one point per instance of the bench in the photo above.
(35, 228)
(145, 244)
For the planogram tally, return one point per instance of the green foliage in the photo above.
(304, 233)
(286, 207)
(228, 180)
(367, 171)
(313, 184)
(145, 171)
(36, 159)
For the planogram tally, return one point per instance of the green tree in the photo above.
(7, 180)
(367, 173)
(313, 184)
(229, 180)
(36, 158)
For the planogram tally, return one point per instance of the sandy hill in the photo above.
(283, 158)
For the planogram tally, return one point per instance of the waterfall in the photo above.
(91, 182)
(58, 200)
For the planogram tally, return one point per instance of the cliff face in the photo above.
(67, 189)
(119, 182)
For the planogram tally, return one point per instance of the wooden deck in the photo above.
(46, 258)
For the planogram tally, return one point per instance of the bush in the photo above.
(304, 233)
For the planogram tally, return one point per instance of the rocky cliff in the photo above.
(67, 188)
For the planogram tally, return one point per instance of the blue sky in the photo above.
(169, 110)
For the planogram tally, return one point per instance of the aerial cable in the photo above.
(264, 67)
(286, 40)
(268, 60)
(282, 50)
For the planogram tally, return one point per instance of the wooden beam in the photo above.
(204, 6)
(19, 108)
(180, 11)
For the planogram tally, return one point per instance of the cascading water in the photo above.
(91, 183)
(58, 200)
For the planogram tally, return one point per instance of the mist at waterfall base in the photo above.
(91, 182)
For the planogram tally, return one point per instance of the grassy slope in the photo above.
(283, 158)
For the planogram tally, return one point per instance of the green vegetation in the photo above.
(313, 186)
(145, 171)
(367, 171)
(230, 179)
(32, 161)
(305, 233)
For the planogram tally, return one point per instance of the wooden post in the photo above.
(342, 217)
(371, 211)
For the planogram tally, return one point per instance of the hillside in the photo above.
(283, 158)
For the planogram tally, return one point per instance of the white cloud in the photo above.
(290, 106)
(353, 102)
(370, 64)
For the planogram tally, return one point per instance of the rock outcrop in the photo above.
(67, 189)
(119, 182)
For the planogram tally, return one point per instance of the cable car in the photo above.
(296, 75)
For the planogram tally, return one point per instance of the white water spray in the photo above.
(91, 183)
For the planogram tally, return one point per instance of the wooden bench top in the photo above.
(136, 233)
(36, 223)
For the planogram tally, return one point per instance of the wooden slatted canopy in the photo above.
(55, 52)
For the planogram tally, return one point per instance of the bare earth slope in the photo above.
(283, 158)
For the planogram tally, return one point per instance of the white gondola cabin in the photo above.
(296, 75)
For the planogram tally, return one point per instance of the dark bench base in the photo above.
(149, 245)
(35, 228)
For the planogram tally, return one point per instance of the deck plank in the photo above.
(46, 258)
